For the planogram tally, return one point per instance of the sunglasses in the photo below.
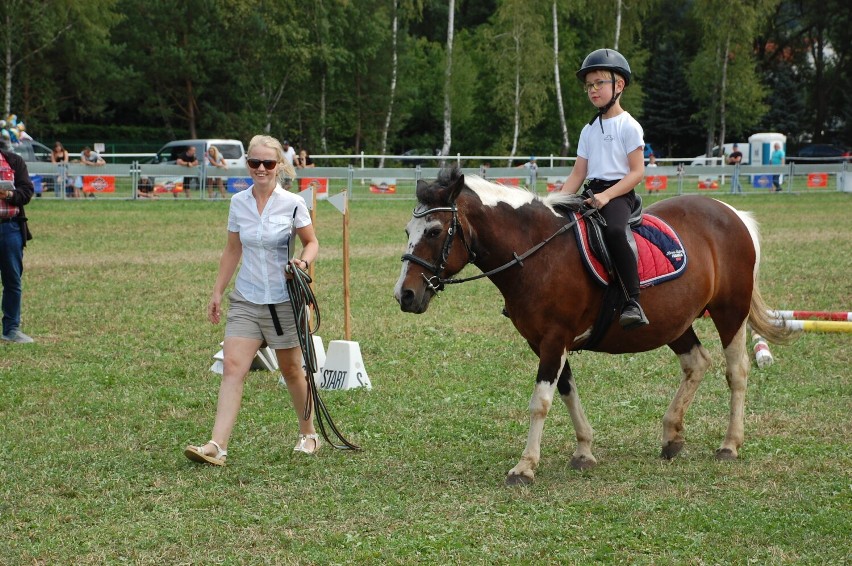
(267, 163)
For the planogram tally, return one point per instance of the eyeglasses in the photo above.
(595, 86)
(267, 163)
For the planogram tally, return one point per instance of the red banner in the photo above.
(319, 186)
(555, 183)
(168, 184)
(98, 184)
(383, 186)
(817, 180)
(656, 182)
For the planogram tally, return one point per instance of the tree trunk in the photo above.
(517, 119)
(190, 110)
(723, 90)
(566, 143)
(448, 110)
(617, 23)
(392, 85)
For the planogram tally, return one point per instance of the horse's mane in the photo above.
(563, 201)
(491, 193)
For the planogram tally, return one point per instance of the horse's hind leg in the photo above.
(582, 459)
(736, 373)
(694, 362)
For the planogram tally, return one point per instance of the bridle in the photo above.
(436, 282)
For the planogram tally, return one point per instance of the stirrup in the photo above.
(303, 439)
(634, 319)
(196, 454)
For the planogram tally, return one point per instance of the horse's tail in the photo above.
(761, 322)
(759, 318)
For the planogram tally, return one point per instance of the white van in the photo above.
(231, 150)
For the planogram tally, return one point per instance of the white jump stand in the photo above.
(344, 367)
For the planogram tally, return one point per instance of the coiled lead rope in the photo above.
(301, 299)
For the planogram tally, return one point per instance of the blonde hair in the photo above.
(285, 170)
(214, 153)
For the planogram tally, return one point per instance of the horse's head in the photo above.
(431, 257)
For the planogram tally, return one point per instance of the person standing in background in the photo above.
(777, 158)
(14, 233)
(188, 159)
(59, 156)
(215, 159)
(735, 158)
(289, 153)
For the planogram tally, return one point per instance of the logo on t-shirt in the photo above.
(608, 138)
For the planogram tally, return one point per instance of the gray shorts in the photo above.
(248, 320)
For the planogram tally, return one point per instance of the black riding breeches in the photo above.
(619, 239)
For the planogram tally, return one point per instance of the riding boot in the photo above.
(632, 316)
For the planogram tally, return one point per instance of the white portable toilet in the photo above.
(761, 145)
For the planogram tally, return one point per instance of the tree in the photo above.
(726, 32)
(448, 79)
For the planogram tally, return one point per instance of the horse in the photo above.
(553, 301)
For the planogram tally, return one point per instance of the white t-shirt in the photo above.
(290, 154)
(267, 242)
(607, 151)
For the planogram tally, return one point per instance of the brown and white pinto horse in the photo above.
(553, 301)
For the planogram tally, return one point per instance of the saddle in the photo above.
(661, 257)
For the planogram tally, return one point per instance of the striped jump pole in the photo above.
(821, 315)
(816, 325)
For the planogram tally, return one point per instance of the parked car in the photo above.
(820, 153)
(231, 150)
(32, 150)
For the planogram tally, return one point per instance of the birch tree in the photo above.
(566, 143)
(448, 79)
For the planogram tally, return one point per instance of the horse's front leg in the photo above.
(540, 402)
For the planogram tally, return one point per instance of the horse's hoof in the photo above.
(671, 450)
(582, 463)
(519, 479)
(725, 455)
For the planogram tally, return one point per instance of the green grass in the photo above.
(94, 416)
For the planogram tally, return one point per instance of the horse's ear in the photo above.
(456, 188)
(422, 186)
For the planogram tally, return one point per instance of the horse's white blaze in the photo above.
(417, 228)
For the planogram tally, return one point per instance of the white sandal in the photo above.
(303, 439)
(196, 454)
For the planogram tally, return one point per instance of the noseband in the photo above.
(436, 282)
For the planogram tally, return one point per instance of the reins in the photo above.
(301, 298)
(436, 283)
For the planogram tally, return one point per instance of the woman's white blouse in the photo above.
(267, 240)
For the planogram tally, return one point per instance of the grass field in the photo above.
(94, 416)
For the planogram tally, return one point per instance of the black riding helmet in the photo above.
(605, 60)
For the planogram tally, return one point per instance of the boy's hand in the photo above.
(598, 201)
